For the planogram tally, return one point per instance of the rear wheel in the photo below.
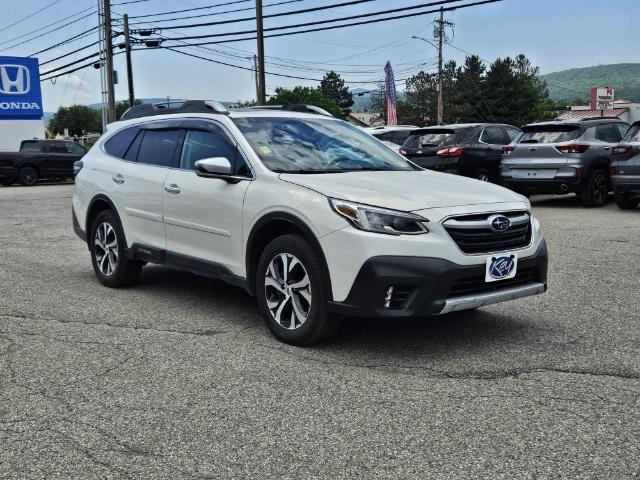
(107, 246)
(291, 292)
(28, 176)
(626, 201)
(596, 190)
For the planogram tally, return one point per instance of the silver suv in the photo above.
(562, 157)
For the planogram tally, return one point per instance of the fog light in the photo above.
(387, 297)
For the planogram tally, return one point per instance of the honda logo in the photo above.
(14, 80)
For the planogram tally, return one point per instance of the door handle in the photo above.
(119, 179)
(173, 188)
(607, 148)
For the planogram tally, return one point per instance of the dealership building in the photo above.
(20, 102)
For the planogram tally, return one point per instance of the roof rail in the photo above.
(167, 108)
(294, 107)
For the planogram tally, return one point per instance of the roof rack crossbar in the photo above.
(167, 108)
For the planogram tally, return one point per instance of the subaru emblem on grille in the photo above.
(499, 223)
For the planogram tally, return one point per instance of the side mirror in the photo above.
(214, 167)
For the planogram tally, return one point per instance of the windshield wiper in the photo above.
(306, 171)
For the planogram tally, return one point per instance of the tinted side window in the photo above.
(622, 129)
(199, 144)
(607, 133)
(492, 135)
(132, 151)
(512, 133)
(31, 147)
(158, 147)
(117, 145)
(56, 147)
(75, 149)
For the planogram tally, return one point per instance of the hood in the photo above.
(405, 191)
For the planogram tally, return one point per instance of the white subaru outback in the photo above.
(311, 215)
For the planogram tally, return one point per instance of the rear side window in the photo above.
(158, 147)
(493, 136)
(607, 133)
(56, 147)
(75, 149)
(622, 129)
(117, 145)
(31, 147)
(512, 133)
(633, 134)
(549, 134)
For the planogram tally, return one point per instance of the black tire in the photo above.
(482, 175)
(28, 176)
(596, 190)
(318, 324)
(626, 201)
(123, 271)
(7, 182)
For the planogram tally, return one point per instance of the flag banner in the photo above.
(392, 118)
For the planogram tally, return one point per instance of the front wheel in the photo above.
(596, 190)
(626, 201)
(107, 246)
(291, 292)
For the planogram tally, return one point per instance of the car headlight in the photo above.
(380, 220)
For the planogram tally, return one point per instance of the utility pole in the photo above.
(127, 46)
(440, 30)
(103, 92)
(262, 89)
(111, 99)
(255, 71)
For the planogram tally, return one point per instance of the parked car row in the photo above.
(38, 159)
(589, 157)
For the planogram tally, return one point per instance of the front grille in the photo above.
(473, 233)
(476, 284)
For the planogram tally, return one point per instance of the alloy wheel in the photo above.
(600, 188)
(288, 291)
(106, 248)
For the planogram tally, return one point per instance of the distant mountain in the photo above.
(568, 84)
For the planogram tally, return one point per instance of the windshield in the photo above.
(633, 135)
(311, 145)
(433, 138)
(549, 134)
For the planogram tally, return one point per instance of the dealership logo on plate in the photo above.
(502, 267)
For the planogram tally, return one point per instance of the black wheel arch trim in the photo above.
(299, 224)
(101, 197)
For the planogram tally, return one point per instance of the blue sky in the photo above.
(554, 34)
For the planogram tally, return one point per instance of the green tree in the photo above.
(306, 96)
(78, 119)
(332, 86)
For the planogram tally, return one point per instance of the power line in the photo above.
(48, 25)
(70, 53)
(321, 22)
(189, 9)
(68, 40)
(30, 15)
(281, 14)
(50, 31)
(213, 14)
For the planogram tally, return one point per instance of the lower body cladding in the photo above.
(402, 287)
(626, 184)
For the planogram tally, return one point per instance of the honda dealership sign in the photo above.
(20, 96)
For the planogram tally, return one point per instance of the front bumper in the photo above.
(430, 286)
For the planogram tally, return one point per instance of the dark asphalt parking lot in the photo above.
(178, 377)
